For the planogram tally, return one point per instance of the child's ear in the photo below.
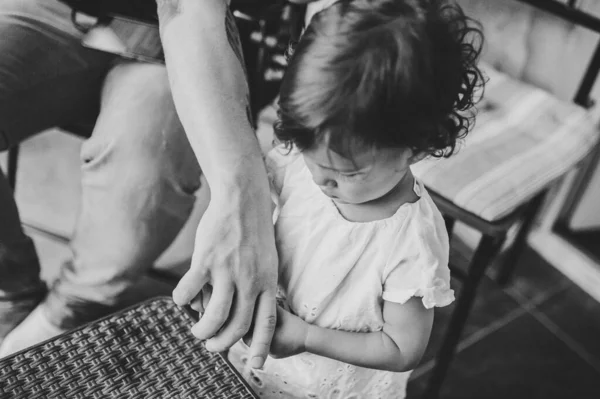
(416, 157)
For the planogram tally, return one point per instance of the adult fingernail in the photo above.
(257, 362)
(197, 331)
(209, 346)
(177, 298)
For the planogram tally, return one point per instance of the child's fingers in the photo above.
(206, 294)
(216, 312)
(200, 303)
(197, 303)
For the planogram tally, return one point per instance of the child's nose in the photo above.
(324, 180)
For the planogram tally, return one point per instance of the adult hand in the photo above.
(235, 253)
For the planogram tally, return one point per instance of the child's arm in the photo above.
(398, 347)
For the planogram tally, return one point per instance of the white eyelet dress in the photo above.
(335, 274)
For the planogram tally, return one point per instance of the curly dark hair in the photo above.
(383, 73)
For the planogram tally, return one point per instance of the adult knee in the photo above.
(138, 131)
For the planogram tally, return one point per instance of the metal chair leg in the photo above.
(13, 158)
(509, 263)
(487, 249)
(449, 224)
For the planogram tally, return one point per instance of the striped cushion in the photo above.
(524, 138)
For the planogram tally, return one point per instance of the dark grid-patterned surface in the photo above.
(142, 352)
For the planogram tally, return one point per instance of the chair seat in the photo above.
(146, 352)
(524, 138)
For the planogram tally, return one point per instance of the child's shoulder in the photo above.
(282, 164)
(423, 232)
(282, 153)
(425, 218)
(282, 157)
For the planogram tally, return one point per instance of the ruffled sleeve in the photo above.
(419, 266)
(277, 162)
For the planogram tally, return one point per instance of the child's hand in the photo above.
(290, 335)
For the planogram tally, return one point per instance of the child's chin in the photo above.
(344, 201)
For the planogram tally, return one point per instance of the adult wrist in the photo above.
(248, 176)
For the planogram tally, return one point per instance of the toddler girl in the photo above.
(373, 86)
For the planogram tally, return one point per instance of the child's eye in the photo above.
(350, 176)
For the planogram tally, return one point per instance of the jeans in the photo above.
(139, 173)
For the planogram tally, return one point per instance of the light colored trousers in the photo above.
(139, 172)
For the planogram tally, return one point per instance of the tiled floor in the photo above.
(537, 338)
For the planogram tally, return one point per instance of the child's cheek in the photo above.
(358, 191)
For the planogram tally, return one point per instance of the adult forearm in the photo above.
(209, 86)
(372, 350)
